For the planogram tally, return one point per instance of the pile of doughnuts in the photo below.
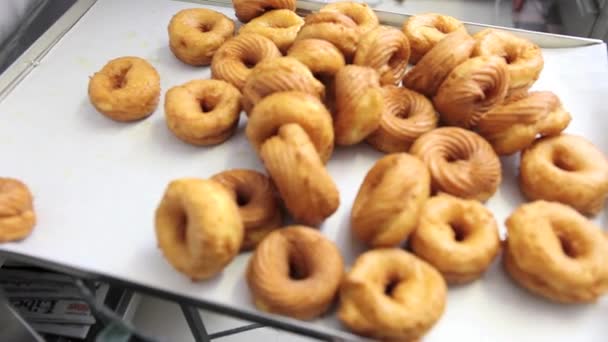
(338, 77)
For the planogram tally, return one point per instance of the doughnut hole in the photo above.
(205, 27)
(391, 285)
(570, 243)
(298, 269)
(461, 230)
(563, 161)
(119, 80)
(243, 197)
(208, 103)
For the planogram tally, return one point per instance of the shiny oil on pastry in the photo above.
(360, 13)
(385, 49)
(281, 26)
(249, 9)
(333, 27)
(320, 56)
(425, 30)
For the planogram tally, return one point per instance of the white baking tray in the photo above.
(97, 182)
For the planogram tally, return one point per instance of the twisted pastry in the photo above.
(407, 115)
(359, 104)
(461, 162)
(333, 27)
(234, 60)
(436, 65)
(385, 49)
(320, 56)
(424, 31)
(290, 145)
(472, 88)
(249, 9)
(360, 13)
(389, 201)
(515, 124)
(276, 75)
(281, 26)
(17, 217)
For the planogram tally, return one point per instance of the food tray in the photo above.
(97, 182)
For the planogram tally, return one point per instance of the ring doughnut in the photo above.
(320, 56)
(277, 75)
(436, 65)
(249, 9)
(17, 217)
(385, 49)
(125, 89)
(234, 60)
(407, 115)
(296, 272)
(471, 89)
(555, 252)
(335, 28)
(186, 227)
(515, 124)
(258, 205)
(389, 201)
(196, 34)
(360, 13)
(203, 112)
(359, 104)
(524, 59)
(424, 31)
(568, 169)
(458, 237)
(281, 26)
(461, 162)
(390, 294)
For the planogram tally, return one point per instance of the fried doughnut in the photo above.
(320, 56)
(436, 65)
(125, 89)
(461, 162)
(359, 104)
(389, 294)
(249, 9)
(360, 13)
(515, 124)
(524, 59)
(276, 75)
(407, 115)
(196, 34)
(187, 221)
(568, 169)
(203, 112)
(335, 28)
(234, 60)
(424, 31)
(458, 237)
(258, 205)
(295, 272)
(385, 49)
(17, 217)
(281, 26)
(292, 132)
(555, 252)
(471, 89)
(389, 201)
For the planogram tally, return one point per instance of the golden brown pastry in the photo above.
(524, 59)
(436, 65)
(259, 208)
(471, 89)
(203, 112)
(407, 115)
(391, 295)
(458, 237)
(557, 253)
(295, 272)
(333, 27)
(360, 13)
(249, 9)
(281, 26)
(17, 217)
(276, 75)
(359, 104)
(234, 60)
(186, 222)
(461, 162)
(320, 56)
(125, 89)
(291, 131)
(424, 31)
(385, 49)
(196, 34)
(515, 124)
(568, 169)
(389, 201)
